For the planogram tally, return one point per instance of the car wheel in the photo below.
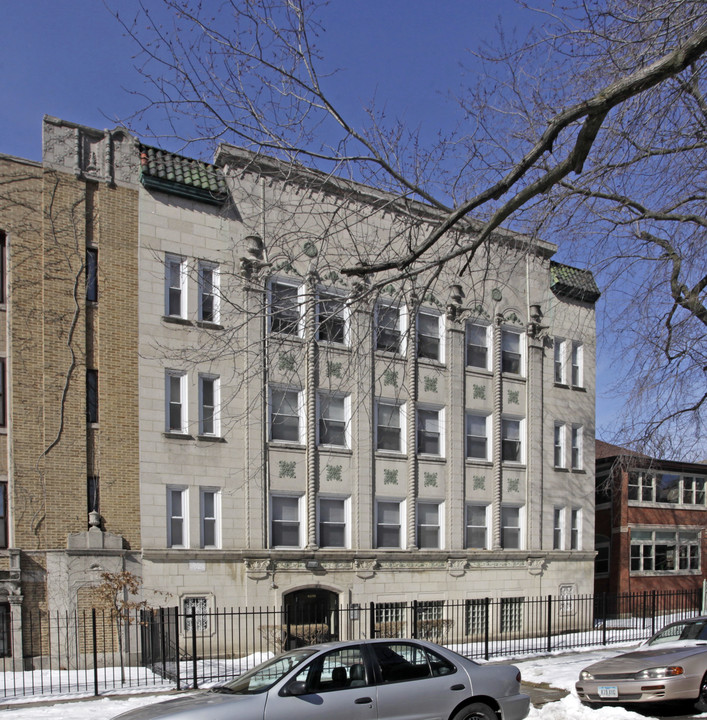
(475, 711)
(701, 702)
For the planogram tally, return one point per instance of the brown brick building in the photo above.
(66, 350)
(650, 522)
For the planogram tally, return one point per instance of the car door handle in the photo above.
(363, 701)
(457, 687)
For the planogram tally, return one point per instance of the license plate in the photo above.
(608, 691)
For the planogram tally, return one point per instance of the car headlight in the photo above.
(659, 672)
(584, 675)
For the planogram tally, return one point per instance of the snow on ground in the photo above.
(559, 670)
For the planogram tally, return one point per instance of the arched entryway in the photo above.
(312, 615)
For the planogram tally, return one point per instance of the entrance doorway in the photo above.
(312, 616)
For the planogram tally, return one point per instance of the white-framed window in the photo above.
(558, 528)
(177, 517)
(665, 551)
(429, 525)
(176, 401)
(478, 345)
(559, 440)
(390, 426)
(209, 306)
(210, 514)
(511, 352)
(285, 307)
(512, 440)
(560, 361)
(665, 487)
(577, 365)
(576, 529)
(511, 527)
(390, 528)
(477, 436)
(693, 490)
(286, 411)
(477, 526)
(285, 521)
(390, 327)
(331, 318)
(209, 405)
(333, 423)
(430, 335)
(333, 525)
(430, 431)
(175, 291)
(577, 447)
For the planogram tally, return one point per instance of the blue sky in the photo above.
(71, 59)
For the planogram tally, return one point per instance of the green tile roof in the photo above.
(179, 175)
(573, 282)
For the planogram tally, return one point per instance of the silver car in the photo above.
(671, 665)
(364, 680)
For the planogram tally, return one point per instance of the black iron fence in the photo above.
(96, 652)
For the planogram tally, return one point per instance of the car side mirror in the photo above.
(298, 687)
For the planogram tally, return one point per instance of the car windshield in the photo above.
(263, 677)
(695, 631)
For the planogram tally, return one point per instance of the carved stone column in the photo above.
(497, 436)
(310, 400)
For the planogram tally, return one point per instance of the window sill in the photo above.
(483, 462)
(285, 445)
(177, 436)
(513, 465)
(579, 388)
(666, 505)
(430, 362)
(174, 320)
(663, 573)
(211, 438)
(334, 344)
(481, 371)
(422, 457)
(560, 469)
(578, 471)
(562, 385)
(335, 449)
(207, 325)
(512, 376)
(390, 454)
(392, 354)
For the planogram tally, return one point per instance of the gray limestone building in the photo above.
(257, 428)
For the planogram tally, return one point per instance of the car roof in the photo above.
(370, 641)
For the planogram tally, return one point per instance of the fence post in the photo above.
(288, 628)
(193, 644)
(549, 623)
(372, 620)
(603, 612)
(95, 651)
(645, 608)
(653, 609)
(176, 646)
(414, 619)
(486, 628)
